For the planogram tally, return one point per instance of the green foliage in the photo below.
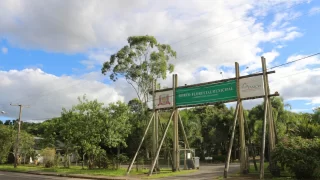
(140, 62)
(26, 146)
(89, 127)
(219, 158)
(7, 139)
(48, 157)
(6, 142)
(301, 156)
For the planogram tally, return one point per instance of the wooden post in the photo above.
(270, 115)
(272, 130)
(263, 144)
(226, 168)
(158, 151)
(243, 148)
(154, 144)
(157, 136)
(135, 156)
(250, 145)
(185, 136)
(174, 153)
(185, 157)
(169, 153)
(243, 160)
(176, 125)
(17, 144)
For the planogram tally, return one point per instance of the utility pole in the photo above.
(18, 134)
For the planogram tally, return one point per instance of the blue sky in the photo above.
(61, 50)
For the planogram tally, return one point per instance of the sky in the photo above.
(52, 51)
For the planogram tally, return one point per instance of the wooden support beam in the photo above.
(243, 158)
(135, 156)
(226, 168)
(159, 148)
(175, 148)
(263, 144)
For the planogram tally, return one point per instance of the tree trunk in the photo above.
(83, 160)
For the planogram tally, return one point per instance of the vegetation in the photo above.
(106, 136)
(300, 156)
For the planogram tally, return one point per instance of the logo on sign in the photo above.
(247, 87)
(164, 99)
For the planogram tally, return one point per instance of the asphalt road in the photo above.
(208, 171)
(23, 176)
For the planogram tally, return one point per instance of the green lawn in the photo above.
(253, 174)
(168, 173)
(102, 172)
(61, 170)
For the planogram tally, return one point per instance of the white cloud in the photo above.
(96, 58)
(292, 35)
(218, 33)
(298, 80)
(47, 94)
(300, 110)
(4, 50)
(314, 11)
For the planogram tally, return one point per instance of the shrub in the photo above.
(48, 156)
(300, 156)
(48, 164)
(219, 158)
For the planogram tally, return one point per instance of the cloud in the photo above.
(300, 110)
(47, 94)
(96, 58)
(4, 50)
(313, 11)
(292, 35)
(205, 34)
(299, 80)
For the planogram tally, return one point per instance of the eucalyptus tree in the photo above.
(140, 62)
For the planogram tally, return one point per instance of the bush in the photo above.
(48, 156)
(300, 156)
(219, 158)
(48, 164)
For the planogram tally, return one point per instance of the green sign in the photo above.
(209, 93)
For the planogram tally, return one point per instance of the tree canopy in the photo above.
(140, 62)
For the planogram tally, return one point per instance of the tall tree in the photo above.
(140, 62)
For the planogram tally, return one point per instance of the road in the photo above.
(23, 176)
(207, 172)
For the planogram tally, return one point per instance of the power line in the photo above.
(207, 48)
(210, 29)
(228, 29)
(151, 100)
(296, 60)
(300, 59)
(178, 58)
(283, 77)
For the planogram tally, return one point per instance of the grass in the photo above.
(169, 173)
(61, 170)
(253, 174)
(95, 172)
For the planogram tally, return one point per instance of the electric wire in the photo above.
(50, 92)
(276, 81)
